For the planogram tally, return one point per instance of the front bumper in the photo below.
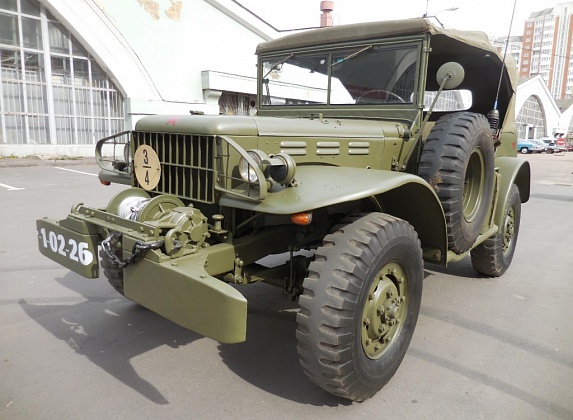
(180, 289)
(73, 245)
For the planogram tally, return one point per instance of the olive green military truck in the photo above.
(376, 147)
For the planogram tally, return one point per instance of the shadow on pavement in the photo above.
(268, 359)
(109, 332)
(521, 343)
(461, 268)
(502, 386)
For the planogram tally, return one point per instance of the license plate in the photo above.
(73, 250)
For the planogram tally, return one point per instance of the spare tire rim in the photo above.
(474, 184)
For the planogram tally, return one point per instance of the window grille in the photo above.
(52, 91)
(530, 117)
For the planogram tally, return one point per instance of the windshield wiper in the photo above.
(266, 81)
(348, 57)
(277, 64)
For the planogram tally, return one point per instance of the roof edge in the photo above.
(242, 16)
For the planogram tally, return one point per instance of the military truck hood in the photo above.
(211, 125)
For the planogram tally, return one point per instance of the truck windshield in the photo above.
(364, 75)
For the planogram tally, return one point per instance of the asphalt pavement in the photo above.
(72, 348)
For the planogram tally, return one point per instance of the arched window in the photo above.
(530, 120)
(52, 91)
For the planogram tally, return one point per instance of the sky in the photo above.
(490, 16)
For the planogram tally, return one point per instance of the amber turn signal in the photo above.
(302, 219)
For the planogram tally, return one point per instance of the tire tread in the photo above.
(325, 319)
(443, 160)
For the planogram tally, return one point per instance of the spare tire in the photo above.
(458, 162)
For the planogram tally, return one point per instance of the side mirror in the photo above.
(453, 73)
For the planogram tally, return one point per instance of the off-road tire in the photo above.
(494, 255)
(458, 162)
(372, 263)
(113, 273)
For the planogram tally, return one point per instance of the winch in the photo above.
(184, 228)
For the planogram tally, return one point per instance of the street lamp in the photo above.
(449, 9)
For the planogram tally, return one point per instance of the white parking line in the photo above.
(71, 170)
(10, 188)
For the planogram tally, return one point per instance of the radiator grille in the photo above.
(187, 164)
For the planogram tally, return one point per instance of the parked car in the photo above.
(540, 143)
(526, 146)
(550, 144)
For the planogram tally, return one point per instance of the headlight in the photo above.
(246, 171)
(282, 168)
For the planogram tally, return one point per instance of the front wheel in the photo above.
(494, 255)
(524, 150)
(113, 273)
(360, 305)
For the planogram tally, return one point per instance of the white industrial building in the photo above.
(74, 71)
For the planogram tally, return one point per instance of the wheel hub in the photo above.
(385, 310)
(508, 230)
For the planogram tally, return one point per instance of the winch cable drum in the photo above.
(136, 204)
(131, 207)
(122, 204)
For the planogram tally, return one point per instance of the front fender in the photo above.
(513, 171)
(402, 195)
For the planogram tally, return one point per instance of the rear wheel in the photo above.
(494, 255)
(524, 150)
(458, 163)
(360, 305)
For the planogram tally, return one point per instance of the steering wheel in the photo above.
(388, 94)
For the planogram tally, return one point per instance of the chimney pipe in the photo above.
(326, 7)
